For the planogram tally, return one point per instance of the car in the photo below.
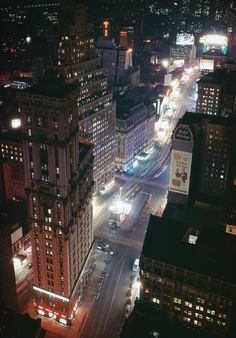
(101, 247)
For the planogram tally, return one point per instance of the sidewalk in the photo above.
(90, 294)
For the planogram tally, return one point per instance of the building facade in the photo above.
(116, 61)
(185, 53)
(77, 64)
(11, 155)
(197, 291)
(59, 186)
(213, 157)
(217, 94)
(135, 131)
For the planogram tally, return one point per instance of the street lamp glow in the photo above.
(120, 207)
(15, 123)
(28, 39)
(165, 63)
(174, 84)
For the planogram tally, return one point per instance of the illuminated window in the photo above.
(188, 304)
(186, 319)
(177, 300)
(156, 300)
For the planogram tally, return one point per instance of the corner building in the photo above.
(59, 185)
(184, 272)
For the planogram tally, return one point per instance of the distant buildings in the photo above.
(117, 63)
(135, 130)
(217, 94)
(186, 54)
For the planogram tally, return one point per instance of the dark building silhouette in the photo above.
(210, 162)
(185, 270)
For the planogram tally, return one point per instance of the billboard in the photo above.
(180, 170)
(178, 63)
(207, 64)
(214, 39)
(184, 39)
(214, 44)
(167, 79)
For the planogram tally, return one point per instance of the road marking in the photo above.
(83, 322)
(112, 301)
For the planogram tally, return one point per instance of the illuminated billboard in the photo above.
(214, 44)
(214, 39)
(178, 63)
(180, 170)
(184, 39)
(207, 64)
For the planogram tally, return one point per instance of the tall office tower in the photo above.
(59, 184)
(96, 111)
(217, 93)
(211, 161)
(116, 62)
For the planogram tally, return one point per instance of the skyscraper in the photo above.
(59, 182)
(68, 118)
(216, 94)
(96, 115)
(212, 162)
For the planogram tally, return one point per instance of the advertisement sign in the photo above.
(167, 79)
(178, 63)
(180, 170)
(183, 133)
(214, 39)
(184, 39)
(207, 64)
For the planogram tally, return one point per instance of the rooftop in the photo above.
(192, 118)
(51, 88)
(165, 241)
(218, 77)
(145, 320)
(11, 135)
(13, 213)
(132, 99)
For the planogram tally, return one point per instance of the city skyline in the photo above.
(117, 168)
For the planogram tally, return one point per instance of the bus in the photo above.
(136, 265)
